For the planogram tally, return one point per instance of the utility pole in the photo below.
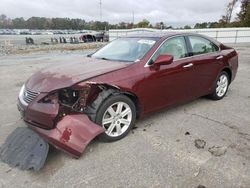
(101, 10)
(133, 17)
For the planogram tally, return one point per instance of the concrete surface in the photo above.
(160, 152)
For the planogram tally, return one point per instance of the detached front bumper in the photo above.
(70, 134)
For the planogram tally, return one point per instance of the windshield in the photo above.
(125, 49)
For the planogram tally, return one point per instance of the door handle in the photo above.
(219, 57)
(188, 65)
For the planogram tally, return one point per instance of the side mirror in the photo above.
(164, 60)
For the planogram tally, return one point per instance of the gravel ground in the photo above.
(200, 143)
(10, 49)
(15, 44)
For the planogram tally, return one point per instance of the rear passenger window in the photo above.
(202, 46)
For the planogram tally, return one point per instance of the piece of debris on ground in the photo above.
(200, 144)
(217, 150)
(187, 133)
(201, 186)
(24, 149)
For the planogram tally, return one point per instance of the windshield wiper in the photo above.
(104, 58)
(107, 59)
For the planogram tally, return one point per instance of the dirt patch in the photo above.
(200, 144)
(148, 125)
(217, 150)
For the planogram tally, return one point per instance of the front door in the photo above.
(169, 84)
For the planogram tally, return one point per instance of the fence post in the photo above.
(236, 36)
(216, 34)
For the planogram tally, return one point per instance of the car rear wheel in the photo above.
(117, 116)
(221, 87)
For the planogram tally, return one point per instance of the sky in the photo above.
(171, 12)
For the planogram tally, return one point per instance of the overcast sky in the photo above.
(176, 12)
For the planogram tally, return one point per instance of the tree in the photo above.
(5, 22)
(19, 23)
(143, 24)
(3, 17)
(242, 15)
(229, 10)
(187, 27)
(213, 25)
(201, 25)
(245, 22)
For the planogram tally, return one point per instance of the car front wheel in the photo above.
(116, 115)
(221, 88)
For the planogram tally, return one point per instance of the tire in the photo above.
(221, 86)
(116, 126)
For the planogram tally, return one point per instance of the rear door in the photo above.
(207, 60)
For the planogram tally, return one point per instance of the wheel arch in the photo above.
(117, 90)
(135, 100)
(229, 72)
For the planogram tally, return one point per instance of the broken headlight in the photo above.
(68, 96)
(74, 98)
(51, 98)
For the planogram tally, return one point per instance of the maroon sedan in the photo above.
(103, 94)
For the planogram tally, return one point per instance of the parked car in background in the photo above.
(99, 36)
(87, 38)
(102, 36)
(106, 37)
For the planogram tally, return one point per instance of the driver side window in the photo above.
(174, 46)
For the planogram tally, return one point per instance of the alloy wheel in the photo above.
(222, 85)
(117, 119)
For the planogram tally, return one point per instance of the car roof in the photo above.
(166, 34)
(156, 35)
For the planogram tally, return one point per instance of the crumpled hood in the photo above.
(69, 73)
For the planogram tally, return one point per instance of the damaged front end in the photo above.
(65, 123)
(60, 118)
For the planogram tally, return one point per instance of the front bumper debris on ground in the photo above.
(27, 148)
(72, 134)
(24, 149)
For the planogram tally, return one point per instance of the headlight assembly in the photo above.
(73, 98)
(51, 98)
(21, 92)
